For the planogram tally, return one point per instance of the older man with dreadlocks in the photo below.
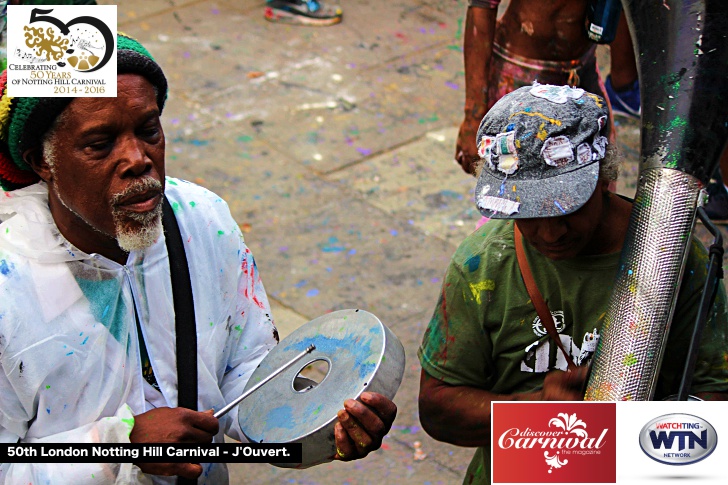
(89, 314)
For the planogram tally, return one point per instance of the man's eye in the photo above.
(98, 145)
(152, 131)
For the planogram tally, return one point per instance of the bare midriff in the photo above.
(550, 30)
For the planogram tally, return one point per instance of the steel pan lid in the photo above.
(353, 342)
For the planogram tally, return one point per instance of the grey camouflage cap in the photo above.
(541, 147)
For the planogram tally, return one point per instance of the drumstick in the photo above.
(222, 412)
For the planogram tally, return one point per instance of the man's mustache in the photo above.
(144, 185)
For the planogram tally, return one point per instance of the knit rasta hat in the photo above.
(24, 121)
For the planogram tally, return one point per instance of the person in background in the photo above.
(537, 41)
(546, 171)
(622, 84)
(531, 41)
(302, 12)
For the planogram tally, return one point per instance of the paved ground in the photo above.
(334, 148)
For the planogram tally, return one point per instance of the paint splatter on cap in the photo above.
(24, 121)
(541, 147)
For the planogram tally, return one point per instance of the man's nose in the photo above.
(134, 157)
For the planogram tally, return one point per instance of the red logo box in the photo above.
(554, 442)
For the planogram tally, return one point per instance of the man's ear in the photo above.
(34, 158)
(604, 185)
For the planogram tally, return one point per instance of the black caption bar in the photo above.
(150, 453)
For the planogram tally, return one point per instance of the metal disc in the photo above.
(362, 354)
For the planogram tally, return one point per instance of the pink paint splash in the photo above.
(482, 221)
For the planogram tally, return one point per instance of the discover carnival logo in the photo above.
(678, 439)
(61, 51)
(570, 440)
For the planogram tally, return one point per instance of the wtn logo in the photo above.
(665, 439)
(678, 439)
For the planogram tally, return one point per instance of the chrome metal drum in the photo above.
(362, 355)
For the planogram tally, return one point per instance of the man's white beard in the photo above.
(149, 224)
(141, 237)
(129, 238)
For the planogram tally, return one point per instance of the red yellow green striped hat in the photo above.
(24, 121)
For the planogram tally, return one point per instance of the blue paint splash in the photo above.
(361, 349)
(473, 263)
(280, 417)
(451, 194)
(332, 246)
(5, 269)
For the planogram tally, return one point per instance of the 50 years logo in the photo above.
(51, 46)
(61, 51)
(678, 439)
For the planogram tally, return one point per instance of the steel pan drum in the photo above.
(362, 355)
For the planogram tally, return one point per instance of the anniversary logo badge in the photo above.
(61, 51)
(541, 442)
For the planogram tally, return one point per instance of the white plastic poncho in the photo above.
(69, 349)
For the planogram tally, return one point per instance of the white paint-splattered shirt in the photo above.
(69, 349)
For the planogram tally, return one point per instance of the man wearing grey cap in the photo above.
(544, 182)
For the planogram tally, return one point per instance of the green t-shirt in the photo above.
(485, 332)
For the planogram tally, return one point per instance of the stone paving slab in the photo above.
(420, 183)
(372, 32)
(329, 112)
(330, 127)
(205, 51)
(139, 12)
(262, 187)
(286, 319)
(359, 115)
(351, 255)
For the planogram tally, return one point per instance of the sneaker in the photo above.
(625, 102)
(302, 12)
(717, 206)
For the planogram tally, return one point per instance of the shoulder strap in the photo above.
(541, 308)
(184, 311)
(184, 316)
